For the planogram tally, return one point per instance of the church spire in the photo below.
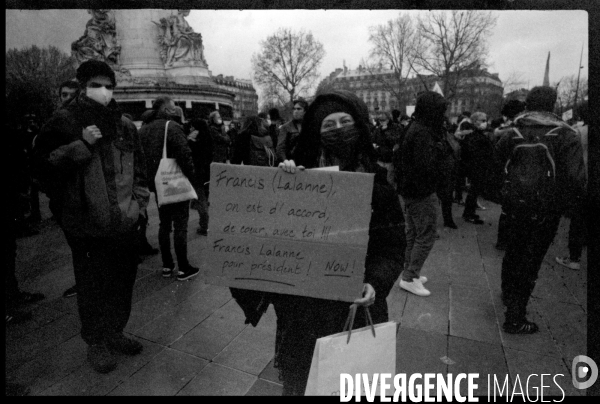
(547, 73)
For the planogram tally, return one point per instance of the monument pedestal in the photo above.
(142, 75)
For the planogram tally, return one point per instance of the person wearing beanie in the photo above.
(335, 132)
(91, 159)
(288, 133)
(417, 185)
(532, 228)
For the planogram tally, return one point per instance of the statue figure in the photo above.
(179, 41)
(99, 40)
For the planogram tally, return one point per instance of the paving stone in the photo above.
(217, 380)
(250, 351)
(41, 339)
(51, 366)
(530, 366)
(265, 388)
(550, 286)
(40, 316)
(152, 307)
(426, 314)
(567, 325)
(212, 335)
(178, 320)
(465, 263)
(436, 262)
(473, 278)
(270, 373)
(147, 285)
(419, 351)
(84, 381)
(63, 304)
(165, 375)
(476, 322)
(477, 357)
(469, 295)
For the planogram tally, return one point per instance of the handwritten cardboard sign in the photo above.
(299, 234)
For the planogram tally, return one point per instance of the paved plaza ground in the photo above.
(196, 343)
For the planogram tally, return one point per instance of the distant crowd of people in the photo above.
(98, 171)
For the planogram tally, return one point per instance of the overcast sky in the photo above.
(520, 41)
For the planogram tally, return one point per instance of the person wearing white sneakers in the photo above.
(578, 225)
(417, 180)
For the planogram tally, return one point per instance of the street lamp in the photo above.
(577, 86)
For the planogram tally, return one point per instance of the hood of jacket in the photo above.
(309, 140)
(430, 109)
(540, 118)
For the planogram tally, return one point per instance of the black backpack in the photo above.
(529, 186)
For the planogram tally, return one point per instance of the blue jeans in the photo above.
(421, 216)
(174, 216)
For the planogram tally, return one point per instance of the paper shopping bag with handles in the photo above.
(171, 184)
(368, 350)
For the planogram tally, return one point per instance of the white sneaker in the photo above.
(423, 279)
(415, 287)
(566, 262)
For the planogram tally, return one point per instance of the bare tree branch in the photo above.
(288, 61)
(453, 44)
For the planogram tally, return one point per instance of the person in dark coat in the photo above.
(478, 158)
(419, 165)
(275, 122)
(510, 111)
(90, 158)
(532, 232)
(254, 145)
(220, 140)
(288, 132)
(449, 151)
(200, 143)
(173, 215)
(232, 132)
(336, 132)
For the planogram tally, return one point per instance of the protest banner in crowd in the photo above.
(300, 234)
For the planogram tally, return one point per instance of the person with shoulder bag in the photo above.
(160, 136)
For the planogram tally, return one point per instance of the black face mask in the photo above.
(341, 142)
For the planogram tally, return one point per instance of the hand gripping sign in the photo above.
(299, 234)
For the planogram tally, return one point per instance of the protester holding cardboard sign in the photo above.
(335, 132)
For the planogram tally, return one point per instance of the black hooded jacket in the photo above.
(386, 229)
(420, 151)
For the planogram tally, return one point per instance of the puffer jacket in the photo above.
(565, 147)
(98, 190)
(153, 136)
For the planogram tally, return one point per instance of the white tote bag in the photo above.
(171, 184)
(366, 350)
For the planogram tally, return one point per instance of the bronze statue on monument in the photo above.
(99, 40)
(179, 41)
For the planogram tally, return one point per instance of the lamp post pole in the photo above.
(577, 86)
